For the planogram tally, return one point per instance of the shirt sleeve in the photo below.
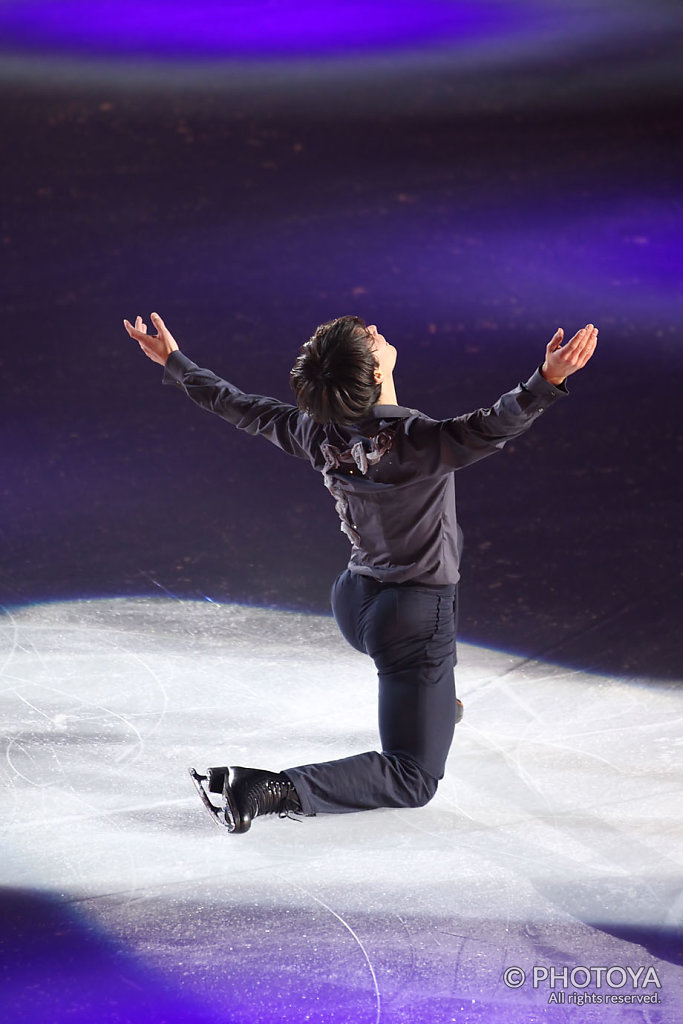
(466, 439)
(283, 425)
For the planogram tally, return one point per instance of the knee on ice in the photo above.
(425, 792)
(417, 787)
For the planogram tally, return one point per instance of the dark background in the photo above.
(466, 192)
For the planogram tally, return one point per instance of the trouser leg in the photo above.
(409, 631)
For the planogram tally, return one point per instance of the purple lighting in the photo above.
(260, 28)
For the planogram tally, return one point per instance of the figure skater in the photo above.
(390, 471)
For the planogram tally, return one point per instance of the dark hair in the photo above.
(333, 377)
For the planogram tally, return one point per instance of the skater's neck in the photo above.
(387, 395)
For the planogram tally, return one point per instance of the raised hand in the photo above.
(157, 347)
(563, 360)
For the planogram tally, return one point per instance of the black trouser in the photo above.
(409, 632)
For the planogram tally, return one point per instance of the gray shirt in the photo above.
(391, 475)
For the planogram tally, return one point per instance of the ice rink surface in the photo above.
(554, 842)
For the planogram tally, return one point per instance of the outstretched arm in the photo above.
(281, 424)
(561, 361)
(466, 439)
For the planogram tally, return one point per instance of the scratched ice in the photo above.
(553, 839)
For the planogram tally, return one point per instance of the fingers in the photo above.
(584, 339)
(158, 322)
(141, 326)
(589, 347)
(556, 340)
(136, 332)
(167, 340)
(579, 350)
(583, 336)
(587, 340)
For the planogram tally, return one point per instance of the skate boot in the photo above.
(246, 794)
(459, 711)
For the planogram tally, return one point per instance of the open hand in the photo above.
(157, 347)
(563, 360)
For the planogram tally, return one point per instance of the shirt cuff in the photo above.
(538, 385)
(176, 366)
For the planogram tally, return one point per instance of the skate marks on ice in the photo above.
(555, 834)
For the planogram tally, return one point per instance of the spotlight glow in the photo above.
(261, 28)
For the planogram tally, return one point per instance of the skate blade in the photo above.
(233, 819)
(217, 813)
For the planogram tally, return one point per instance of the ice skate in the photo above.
(245, 794)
